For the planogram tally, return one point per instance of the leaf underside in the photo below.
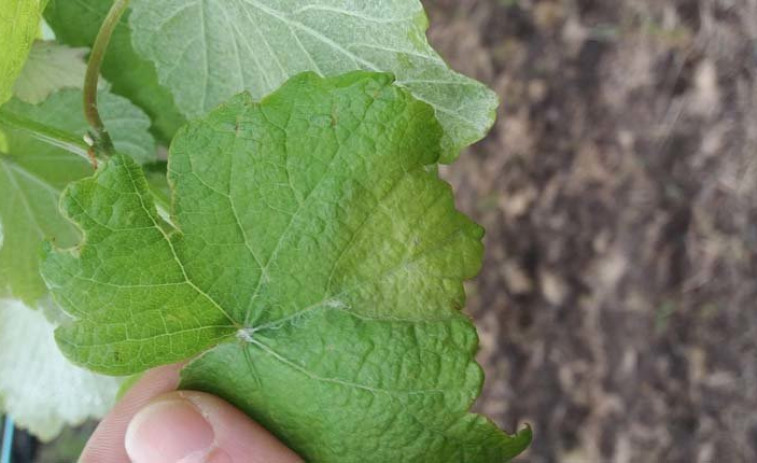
(206, 51)
(318, 268)
(38, 386)
(50, 67)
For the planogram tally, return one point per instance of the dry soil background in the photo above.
(618, 302)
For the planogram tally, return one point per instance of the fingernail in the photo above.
(170, 431)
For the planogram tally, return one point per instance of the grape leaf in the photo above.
(76, 23)
(319, 264)
(156, 174)
(50, 67)
(19, 25)
(205, 52)
(29, 212)
(32, 175)
(38, 386)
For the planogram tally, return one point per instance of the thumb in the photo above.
(194, 427)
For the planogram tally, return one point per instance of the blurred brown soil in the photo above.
(618, 301)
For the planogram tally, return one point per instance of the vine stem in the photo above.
(102, 143)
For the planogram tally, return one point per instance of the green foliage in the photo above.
(32, 175)
(50, 67)
(318, 266)
(19, 25)
(76, 23)
(29, 213)
(205, 52)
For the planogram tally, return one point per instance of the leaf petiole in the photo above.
(68, 142)
(45, 133)
(102, 143)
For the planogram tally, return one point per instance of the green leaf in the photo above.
(319, 264)
(32, 175)
(76, 23)
(205, 52)
(19, 25)
(38, 386)
(50, 67)
(157, 179)
(29, 212)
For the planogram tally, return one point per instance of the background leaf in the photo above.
(38, 386)
(51, 67)
(205, 52)
(19, 25)
(76, 23)
(320, 260)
